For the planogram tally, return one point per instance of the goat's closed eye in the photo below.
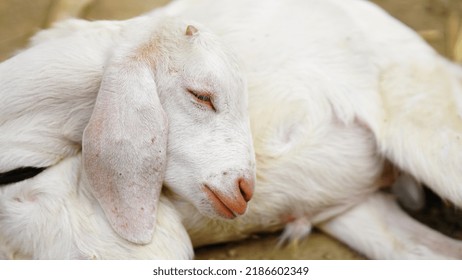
(203, 98)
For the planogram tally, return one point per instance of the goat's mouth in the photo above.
(225, 207)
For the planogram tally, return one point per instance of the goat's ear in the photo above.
(124, 150)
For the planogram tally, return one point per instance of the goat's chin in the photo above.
(216, 215)
(212, 210)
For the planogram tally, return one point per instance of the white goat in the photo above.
(149, 71)
(336, 88)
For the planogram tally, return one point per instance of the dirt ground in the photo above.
(438, 21)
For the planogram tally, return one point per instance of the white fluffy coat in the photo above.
(336, 88)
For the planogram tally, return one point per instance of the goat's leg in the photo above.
(421, 131)
(380, 229)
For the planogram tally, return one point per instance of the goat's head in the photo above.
(180, 76)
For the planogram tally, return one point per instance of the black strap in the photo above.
(19, 174)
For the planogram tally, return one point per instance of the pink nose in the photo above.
(231, 205)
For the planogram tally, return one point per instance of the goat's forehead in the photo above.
(214, 69)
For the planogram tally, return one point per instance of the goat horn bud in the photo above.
(191, 30)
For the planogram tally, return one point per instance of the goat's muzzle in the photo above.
(234, 203)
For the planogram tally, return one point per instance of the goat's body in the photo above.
(331, 96)
(335, 88)
(54, 216)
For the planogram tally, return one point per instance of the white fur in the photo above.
(380, 229)
(54, 216)
(336, 88)
(46, 105)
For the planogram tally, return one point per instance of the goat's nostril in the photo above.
(246, 187)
